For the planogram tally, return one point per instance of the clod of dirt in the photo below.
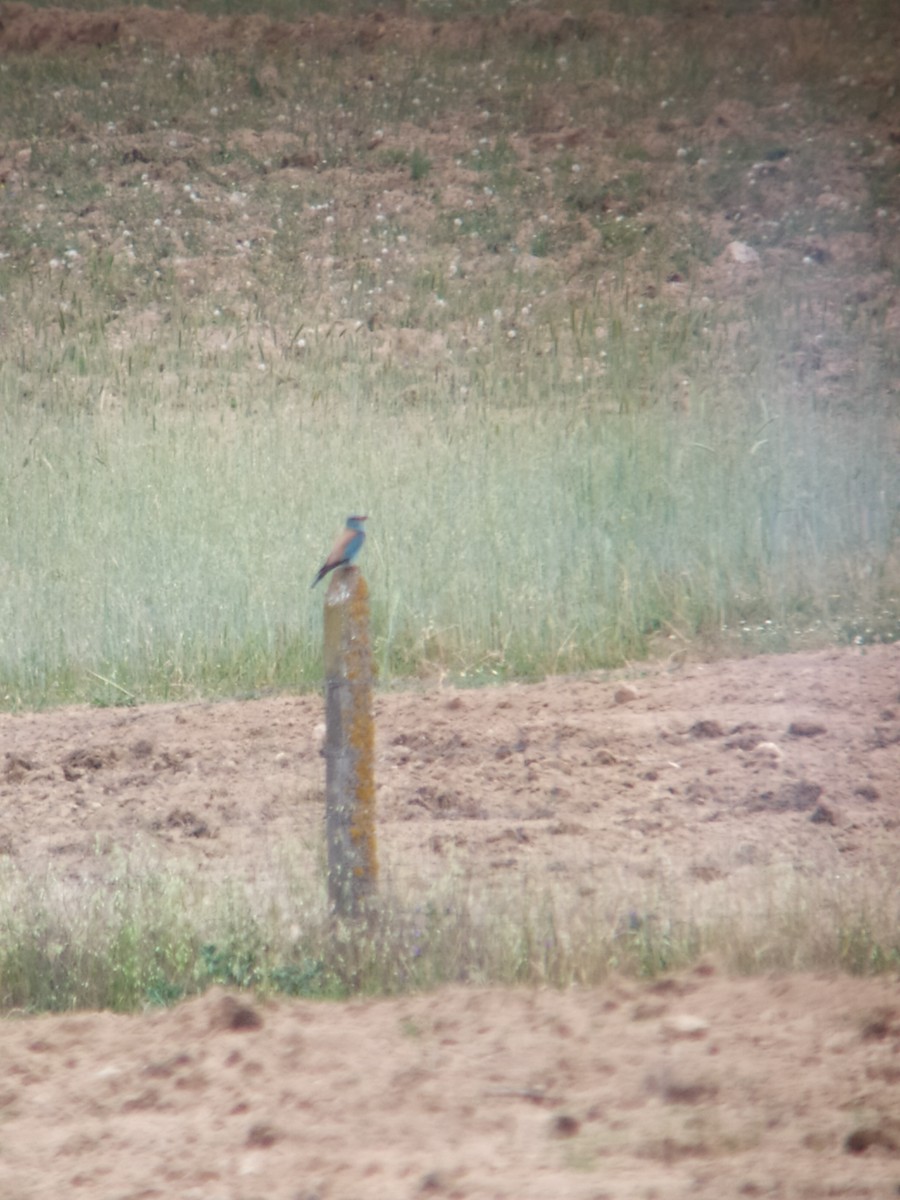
(705, 872)
(866, 792)
(805, 729)
(882, 737)
(625, 694)
(234, 1014)
(882, 1024)
(675, 1088)
(17, 767)
(172, 760)
(262, 1135)
(743, 741)
(564, 1125)
(822, 815)
(706, 729)
(433, 1182)
(886, 1136)
(801, 795)
(193, 826)
(797, 796)
(76, 762)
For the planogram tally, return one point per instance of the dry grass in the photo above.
(153, 935)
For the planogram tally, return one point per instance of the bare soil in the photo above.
(696, 1085)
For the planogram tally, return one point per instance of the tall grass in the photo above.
(170, 550)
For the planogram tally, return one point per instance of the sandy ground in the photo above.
(700, 1085)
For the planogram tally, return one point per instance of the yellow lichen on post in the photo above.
(349, 744)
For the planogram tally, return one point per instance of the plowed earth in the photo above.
(699, 1085)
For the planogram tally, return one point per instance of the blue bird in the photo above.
(345, 549)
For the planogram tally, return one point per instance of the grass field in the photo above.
(245, 293)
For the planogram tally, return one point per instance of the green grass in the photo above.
(151, 935)
(172, 554)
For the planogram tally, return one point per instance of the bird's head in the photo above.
(355, 522)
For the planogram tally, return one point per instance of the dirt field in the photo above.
(700, 1085)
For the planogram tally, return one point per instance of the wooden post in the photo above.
(349, 744)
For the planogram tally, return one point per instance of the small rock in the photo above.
(741, 253)
(684, 1025)
(625, 694)
(770, 751)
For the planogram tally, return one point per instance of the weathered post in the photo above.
(349, 744)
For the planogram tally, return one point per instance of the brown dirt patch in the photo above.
(720, 764)
(707, 1087)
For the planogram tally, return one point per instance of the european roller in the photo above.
(345, 549)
